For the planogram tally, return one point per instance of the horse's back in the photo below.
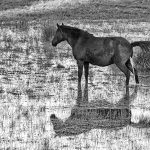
(93, 41)
(102, 51)
(122, 41)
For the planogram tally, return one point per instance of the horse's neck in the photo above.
(71, 39)
(72, 42)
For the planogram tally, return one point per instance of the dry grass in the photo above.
(48, 33)
(143, 60)
(11, 4)
(80, 9)
(27, 8)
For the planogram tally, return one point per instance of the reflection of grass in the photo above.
(145, 122)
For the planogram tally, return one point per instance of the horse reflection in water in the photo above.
(95, 115)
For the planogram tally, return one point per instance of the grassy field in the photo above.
(11, 4)
(79, 9)
(38, 80)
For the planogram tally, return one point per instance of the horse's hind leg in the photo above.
(133, 70)
(125, 70)
(86, 72)
(136, 76)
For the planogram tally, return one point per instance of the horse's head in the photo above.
(59, 36)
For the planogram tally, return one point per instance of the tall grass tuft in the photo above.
(48, 33)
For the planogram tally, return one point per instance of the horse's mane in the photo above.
(75, 32)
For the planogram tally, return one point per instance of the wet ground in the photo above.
(38, 80)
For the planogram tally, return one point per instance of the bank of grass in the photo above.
(12, 4)
(80, 9)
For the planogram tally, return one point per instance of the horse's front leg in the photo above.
(80, 71)
(86, 72)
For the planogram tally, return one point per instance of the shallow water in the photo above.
(38, 80)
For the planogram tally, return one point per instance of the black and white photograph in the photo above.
(74, 74)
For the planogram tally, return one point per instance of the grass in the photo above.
(145, 122)
(48, 33)
(143, 61)
(80, 9)
(11, 4)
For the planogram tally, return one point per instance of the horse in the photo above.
(101, 51)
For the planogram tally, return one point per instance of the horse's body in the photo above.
(101, 51)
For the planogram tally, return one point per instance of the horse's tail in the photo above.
(144, 45)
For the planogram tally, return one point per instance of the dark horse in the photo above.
(101, 51)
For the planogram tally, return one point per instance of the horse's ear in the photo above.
(62, 24)
(58, 25)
